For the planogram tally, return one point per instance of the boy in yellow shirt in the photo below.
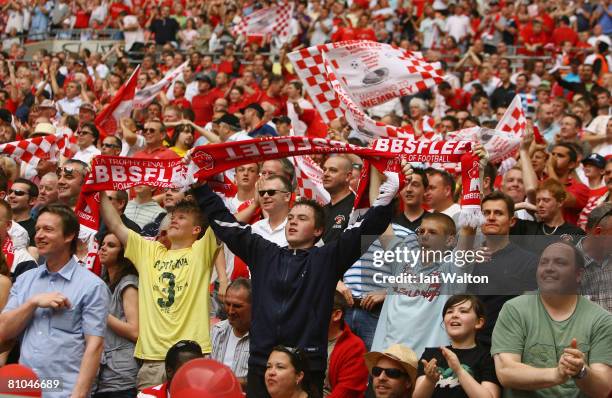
(173, 289)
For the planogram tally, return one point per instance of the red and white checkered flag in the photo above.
(347, 77)
(272, 20)
(514, 120)
(32, 150)
(309, 177)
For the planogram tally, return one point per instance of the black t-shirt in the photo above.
(536, 236)
(510, 272)
(165, 29)
(337, 217)
(402, 220)
(30, 226)
(476, 361)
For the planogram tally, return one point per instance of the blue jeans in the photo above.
(363, 324)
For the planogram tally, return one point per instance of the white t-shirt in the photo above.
(458, 26)
(134, 36)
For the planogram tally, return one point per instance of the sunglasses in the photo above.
(105, 145)
(149, 130)
(270, 192)
(84, 132)
(17, 192)
(66, 171)
(392, 373)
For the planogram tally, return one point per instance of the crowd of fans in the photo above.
(291, 303)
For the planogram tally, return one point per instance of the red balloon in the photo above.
(19, 381)
(205, 378)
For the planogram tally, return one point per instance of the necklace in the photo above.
(547, 233)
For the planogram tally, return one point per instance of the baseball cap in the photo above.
(230, 120)
(596, 160)
(256, 107)
(203, 77)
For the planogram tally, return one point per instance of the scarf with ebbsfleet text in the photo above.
(120, 173)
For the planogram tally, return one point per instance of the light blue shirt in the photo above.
(53, 343)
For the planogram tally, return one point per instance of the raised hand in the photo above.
(431, 370)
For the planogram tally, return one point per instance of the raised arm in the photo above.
(238, 237)
(530, 179)
(112, 219)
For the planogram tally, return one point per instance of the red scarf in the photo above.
(118, 173)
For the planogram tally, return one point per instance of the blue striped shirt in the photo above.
(360, 277)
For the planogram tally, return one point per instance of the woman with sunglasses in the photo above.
(118, 370)
(286, 374)
(463, 369)
(182, 139)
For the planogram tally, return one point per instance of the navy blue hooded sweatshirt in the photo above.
(292, 290)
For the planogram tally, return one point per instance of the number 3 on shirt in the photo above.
(168, 303)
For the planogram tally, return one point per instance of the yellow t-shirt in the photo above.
(173, 293)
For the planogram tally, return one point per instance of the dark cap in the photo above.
(203, 77)
(281, 119)
(596, 160)
(256, 107)
(230, 120)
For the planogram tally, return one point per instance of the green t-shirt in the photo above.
(524, 327)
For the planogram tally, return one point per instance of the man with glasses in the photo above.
(274, 196)
(71, 178)
(595, 247)
(21, 197)
(154, 133)
(393, 371)
(87, 141)
(111, 146)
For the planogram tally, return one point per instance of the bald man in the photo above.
(337, 172)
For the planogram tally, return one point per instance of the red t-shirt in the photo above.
(158, 153)
(365, 34)
(459, 101)
(344, 33)
(581, 192)
(279, 103)
(202, 106)
(226, 67)
(563, 34)
(182, 103)
(116, 8)
(81, 19)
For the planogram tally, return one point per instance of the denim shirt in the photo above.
(53, 343)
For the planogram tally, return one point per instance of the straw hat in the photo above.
(399, 353)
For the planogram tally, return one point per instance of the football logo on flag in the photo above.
(204, 160)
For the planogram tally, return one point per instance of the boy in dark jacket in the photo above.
(293, 287)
